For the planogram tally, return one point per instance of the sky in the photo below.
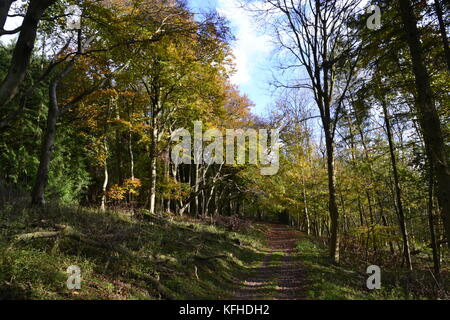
(252, 50)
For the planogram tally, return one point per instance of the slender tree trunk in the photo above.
(119, 161)
(385, 223)
(195, 185)
(174, 169)
(344, 214)
(131, 153)
(106, 177)
(305, 204)
(398, 193)
(372, 220)
(209, 200)
(220, 205)
(188, 177)
(434, 246)
(379, 197)
(38, 194)
(167, 201)
(118, 147)
(361, 212)
(202, 195)
(229, 204)
(153, 170)
(428, 115)
(443, 30)
(333, 208)
(153, 156)
(217, 203)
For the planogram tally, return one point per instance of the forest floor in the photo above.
(121, 257)
(296, 267)
(149, 257)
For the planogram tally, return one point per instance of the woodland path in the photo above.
(280, 275)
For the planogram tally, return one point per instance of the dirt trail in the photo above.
(281, 275)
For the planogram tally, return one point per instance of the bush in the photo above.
(233, 223)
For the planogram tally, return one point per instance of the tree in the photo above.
(398, 192)
(428, 116)
(23, 50)
(106, 41)
(317, 36)
(443, 30)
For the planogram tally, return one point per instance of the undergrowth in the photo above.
(348, 280)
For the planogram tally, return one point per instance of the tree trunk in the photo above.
(379, 197)
(333, 208)
(209, 200)
(131, 153)
(434, 246)
(23, 50)
(119, 161)
(385, 223)
(305, 203)
(398, 193)
(167, 201)
(428, 115)
(106, 177)
(194, 184)
(372, 220)
(38, 194)
(153, 169)
(443, 30)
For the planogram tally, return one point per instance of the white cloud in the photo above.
(251, 47)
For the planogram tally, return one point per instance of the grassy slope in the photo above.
(174, 252)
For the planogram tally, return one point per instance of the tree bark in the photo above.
(195, 185)
(333, 208)
(167, 169)
(398, 193)
(153, 169)
(23, 50)
(434, 246)
(105, 177)
(119, 156)
(428, 114)
(131, 153)
(305, 204)
(38, 194)
(443, 30)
